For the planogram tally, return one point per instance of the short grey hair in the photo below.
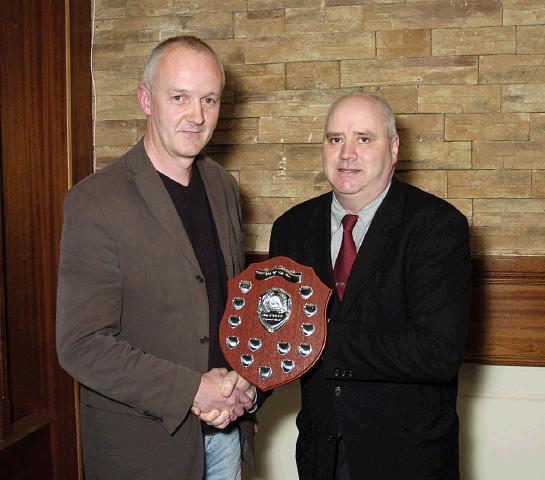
(187, 41)
(389, 115)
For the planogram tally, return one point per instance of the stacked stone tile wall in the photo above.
(466, 79)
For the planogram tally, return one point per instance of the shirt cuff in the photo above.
(253, 408)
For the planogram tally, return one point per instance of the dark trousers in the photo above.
(342, 470)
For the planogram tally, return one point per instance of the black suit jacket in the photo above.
(388, 376)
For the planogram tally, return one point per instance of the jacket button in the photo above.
(199, 278)
(336, 372)
(338, 391)
(204, 339)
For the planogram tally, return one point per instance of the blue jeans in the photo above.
(222, 456)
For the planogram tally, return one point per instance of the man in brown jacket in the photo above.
(147, 245)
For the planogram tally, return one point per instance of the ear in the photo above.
(394, 145)
(144, 99)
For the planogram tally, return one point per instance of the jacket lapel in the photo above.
(318, 239)
(155, 195)
(375, 246)
(221, 212)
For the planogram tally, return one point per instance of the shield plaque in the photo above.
(274, 325)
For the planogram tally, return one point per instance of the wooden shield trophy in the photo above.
(274, 326)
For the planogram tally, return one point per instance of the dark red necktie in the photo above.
(346, 256)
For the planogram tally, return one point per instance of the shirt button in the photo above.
(199, 278)
(338, 391)
(204, 339)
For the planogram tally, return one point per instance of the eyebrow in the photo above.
(179, 90)
(365, 133)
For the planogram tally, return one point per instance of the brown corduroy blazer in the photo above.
(132, 318)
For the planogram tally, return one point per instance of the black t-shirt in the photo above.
(194, 210)
(193, 207)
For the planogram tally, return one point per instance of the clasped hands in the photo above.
(222, 397)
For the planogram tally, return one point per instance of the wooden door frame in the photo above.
(45, 65)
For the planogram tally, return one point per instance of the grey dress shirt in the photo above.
(365, 215)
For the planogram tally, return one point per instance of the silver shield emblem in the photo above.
(287, 365)
(310, 309)
(238, 302)
(245, 286)
(234, 321)
(307, 329)
(273, 308)
(254, 344)
(305, 292)
(283, 347)
(246, 360)
(304, 349)
(265, 372)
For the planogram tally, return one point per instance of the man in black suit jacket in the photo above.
(381, 404)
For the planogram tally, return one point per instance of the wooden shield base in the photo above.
(274, 326)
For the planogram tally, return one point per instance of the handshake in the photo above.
(222, 397)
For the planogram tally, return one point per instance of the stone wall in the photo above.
(466, 79)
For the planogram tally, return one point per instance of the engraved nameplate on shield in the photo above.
(274, 326)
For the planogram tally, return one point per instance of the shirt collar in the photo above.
(338, 212)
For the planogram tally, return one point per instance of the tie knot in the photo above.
(349, 221)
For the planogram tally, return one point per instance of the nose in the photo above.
(195, 113)
(348, 151)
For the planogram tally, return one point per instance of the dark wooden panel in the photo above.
(5, 400)
(22, 139)
(507, 324)
(34, 86)
(81, 89)
(508, 311)
(28, 455)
